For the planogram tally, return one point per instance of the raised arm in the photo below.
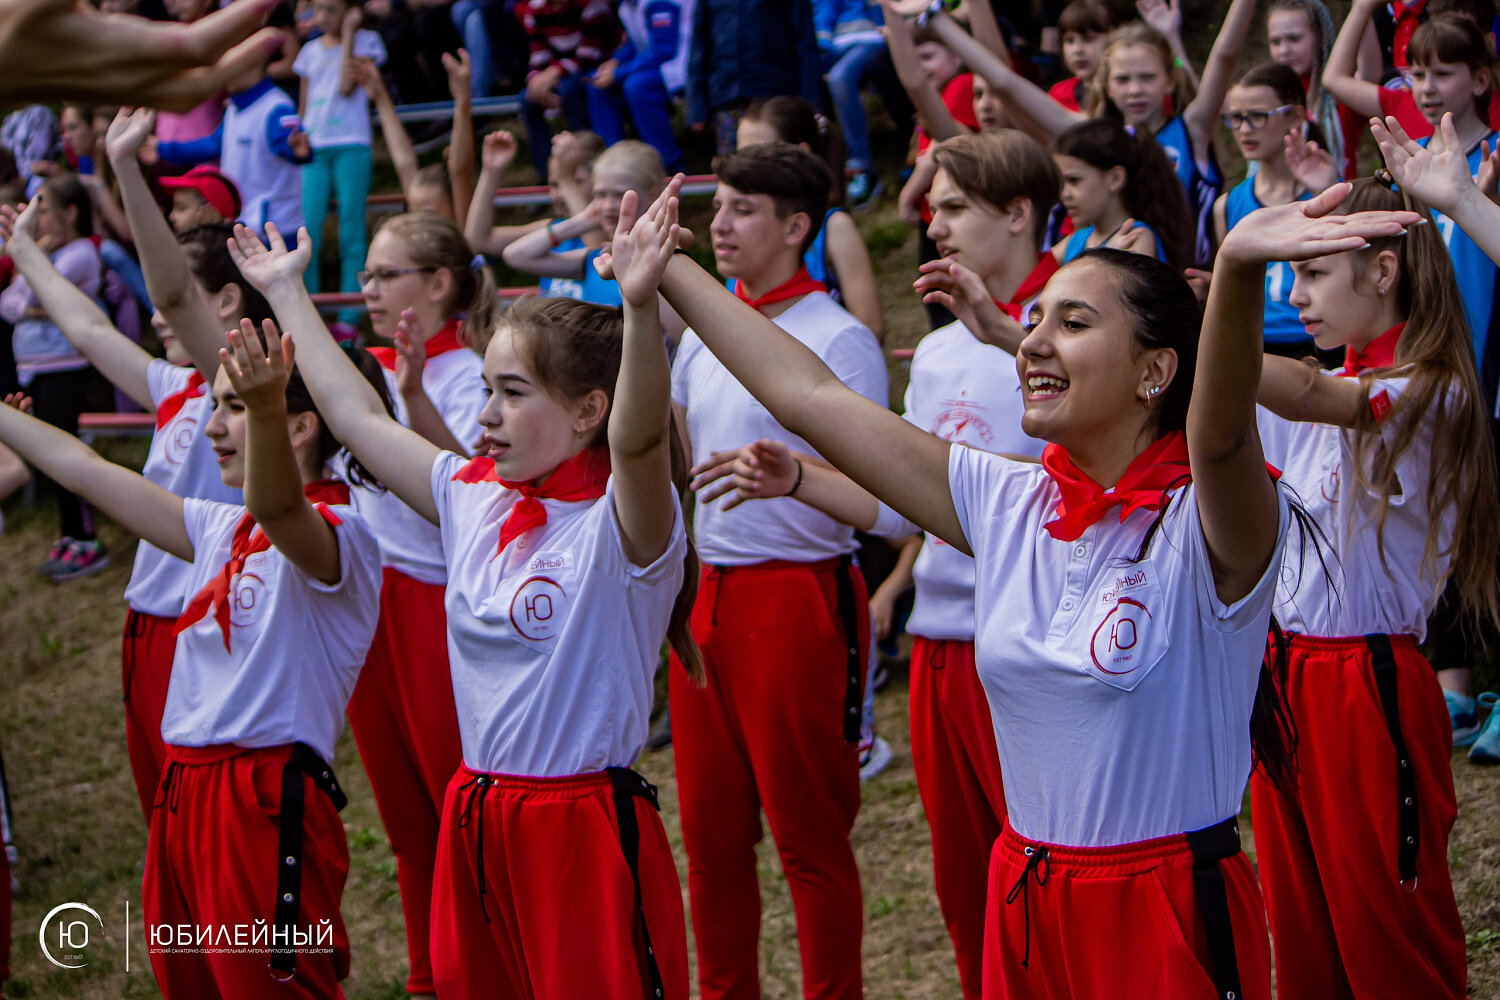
(1201, 116)
(496, 154)
(1236, 498)
(986, 30)
(1166, 17)
(422, 414)
(397, 141)
(400, 458)
(902, 465)
(640, 451)
(118, 358)
(537, 253)
(460, 153)
(1294, 391)
(850, 260)
(273, 480)
(138, 504)
(935, 116)
(1341, 75)
(162, 258)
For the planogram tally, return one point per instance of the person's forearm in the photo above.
(273, 484)
(423, 417)
(480, 218)
(347, 84)
(1034, 102)
(397, 142)
(461, 154)
(637, 423)
(900, 578)
(987, 30)
(536, 253)
(1340, 75)
(936, 118)
(835, 494)
(1229, 358)
(1479, 218)
(1202, 114)
(343, 395)
(1295, 391)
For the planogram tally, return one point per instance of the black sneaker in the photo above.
(81, 559)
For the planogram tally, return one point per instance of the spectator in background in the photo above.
(645, 73)
(748, 49)
(201, 196)
(30, 133)
(567, 39)
(1085, 27)
(49, 369)
(205, 118)
(336, 117)
(850, 41)
(416, 34)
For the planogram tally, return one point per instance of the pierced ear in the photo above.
(1161, 368)
(1386, 271)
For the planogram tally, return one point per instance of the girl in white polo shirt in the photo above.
(1393, 458)
(246, 847)
(567, 564)
(428, 293)
(1120, 644)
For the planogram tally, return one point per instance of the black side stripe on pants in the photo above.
(1211, 845)
(1408, 832)
(304, 760)
(854, 670)
(628, 786)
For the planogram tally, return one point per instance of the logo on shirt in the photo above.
(1135, 578)
(1330, 485)
(244, 603)
(539, 609)
(961, 423)
(180, 438)
(1118, 637)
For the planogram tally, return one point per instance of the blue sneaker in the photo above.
(1464, 713)
(1486, 748)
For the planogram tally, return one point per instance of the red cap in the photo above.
(216, 189)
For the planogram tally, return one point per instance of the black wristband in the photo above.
(798, 484)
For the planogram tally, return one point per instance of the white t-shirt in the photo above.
(408, 541)
(1120, 690)
(331, 119)
(721, 414)
(969, 393)
(1358, 594)
(182, 461)
(296, 643)
(553, 644)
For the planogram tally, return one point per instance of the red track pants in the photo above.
(958, 776)
(406, 727)
(212, 862)
(768, 732)
(1119, 922)
(534, 898)
(146, 671)
(1343, 924)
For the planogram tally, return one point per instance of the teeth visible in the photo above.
(1045, 383)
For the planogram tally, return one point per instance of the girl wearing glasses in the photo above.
(428, 293)
(1263, 109)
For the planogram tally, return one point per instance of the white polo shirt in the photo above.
(296, 644)
(721, 414)
(969, 393)
(554, 644)
(182, 461)
(410, 543)
(1358, 594)
(1120, 690)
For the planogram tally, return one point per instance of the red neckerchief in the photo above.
(581, 477)
(1378, 353)
(1031, 287)
(802, 283)
(172, 405)
(1082, 502)
(442, 342)
(1407, 17)
(247, 541)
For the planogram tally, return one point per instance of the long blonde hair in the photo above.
(1136, 33)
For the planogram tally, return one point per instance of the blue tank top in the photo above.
(563, 288)
(1078, 243)
(1474, 270)
(816, 259)
(599, 291)
(1281, 323)
(1201, 184)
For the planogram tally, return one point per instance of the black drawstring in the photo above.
(719, 572)
(171, 787)
(1037, 865)
(477, 790)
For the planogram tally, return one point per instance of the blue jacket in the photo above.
(835, 17)
(748, 49)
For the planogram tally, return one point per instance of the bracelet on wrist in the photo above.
(798, 484)
(552, 234)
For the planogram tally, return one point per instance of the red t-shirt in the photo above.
(1402, 106)
(958, 97)
(1066, 93)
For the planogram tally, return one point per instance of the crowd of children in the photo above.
(1186, 478)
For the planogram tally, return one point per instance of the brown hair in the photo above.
(1137, 33)
(574, 348)
(1085, 17)
(1000, 166)
(1437, 356)
(796, 180)
(433, 241)
(1454, 39)
(796, 121)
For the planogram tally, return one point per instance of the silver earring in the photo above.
(1383, 291)
(1154, 391)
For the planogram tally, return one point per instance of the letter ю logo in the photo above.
(180, 433)
(1115, 643)
(539, 609)
(246, 593)
(72, 935)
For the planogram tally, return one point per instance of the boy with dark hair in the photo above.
(781, 617)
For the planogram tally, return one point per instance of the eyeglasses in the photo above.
(1255, 119)
(382, 275)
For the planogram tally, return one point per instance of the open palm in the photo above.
(265, 266)
(1303, 230)
(1438, 174)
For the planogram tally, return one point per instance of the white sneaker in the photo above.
(874, 756)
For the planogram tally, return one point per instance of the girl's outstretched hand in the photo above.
(1311, 165)
(259, 377)
(18, 401)
(128, 133)
(1302, 230)
(961, 291)
(761, 470)
(642, 246)
(498, 151)
(1488, 178)
(18, 223)
(1437, 174)
(411, 354)
(266, 266)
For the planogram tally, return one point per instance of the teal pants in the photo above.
(342, 172)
